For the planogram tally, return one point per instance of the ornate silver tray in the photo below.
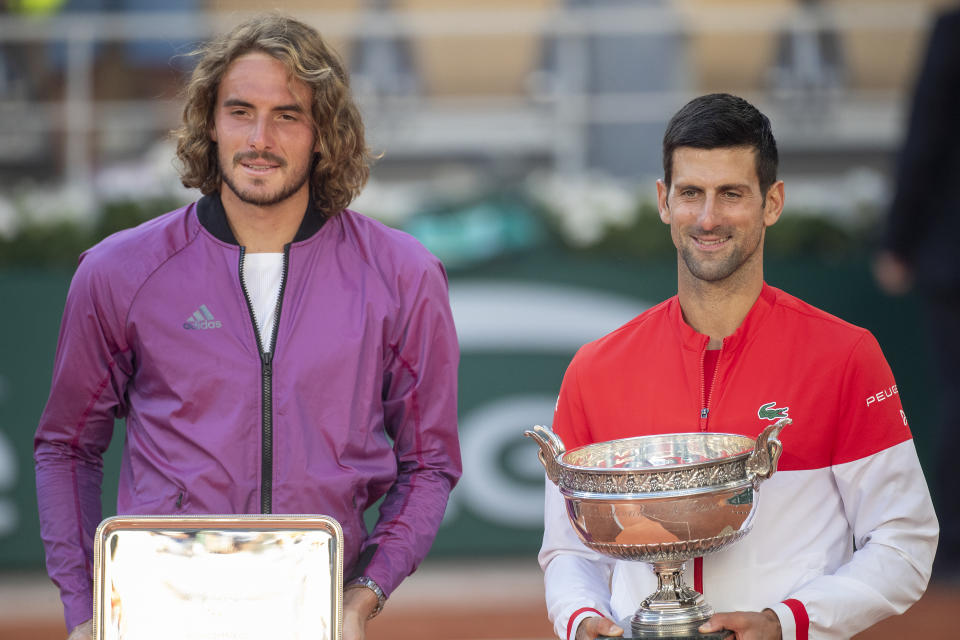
(218, 577)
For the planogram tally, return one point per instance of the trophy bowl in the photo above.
(662, 499)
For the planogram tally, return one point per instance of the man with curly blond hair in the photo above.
(270, 350)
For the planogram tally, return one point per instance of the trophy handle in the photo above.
(762, 463)
(551, 448)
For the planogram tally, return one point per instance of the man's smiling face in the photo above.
(264, 130)
(716, 210)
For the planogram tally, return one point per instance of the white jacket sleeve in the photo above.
(895, 532)
(576, 579)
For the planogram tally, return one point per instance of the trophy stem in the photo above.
(672, 608)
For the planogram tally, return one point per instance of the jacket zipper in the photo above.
(266, 382)
(704, 398)
(704, 416)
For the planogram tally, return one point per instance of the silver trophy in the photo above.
(244, 577)
(662, 499)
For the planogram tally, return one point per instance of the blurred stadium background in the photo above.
(520, 143)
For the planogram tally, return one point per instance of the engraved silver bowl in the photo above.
(662, 499)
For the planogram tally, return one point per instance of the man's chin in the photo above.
(261, 196)
(710, 271)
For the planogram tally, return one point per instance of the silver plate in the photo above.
(218, 578)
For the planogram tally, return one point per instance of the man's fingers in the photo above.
(83, 631)
(608, 628)
(713, 624)
(746, 624)
(601, 627)
(597, 626)
(734, 621)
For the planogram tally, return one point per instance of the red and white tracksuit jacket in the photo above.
(844, 534)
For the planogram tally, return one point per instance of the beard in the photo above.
(258, 198)
(719, 268)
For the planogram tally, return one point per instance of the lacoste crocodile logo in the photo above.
(770, 411)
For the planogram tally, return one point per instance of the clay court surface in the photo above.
(495, 599)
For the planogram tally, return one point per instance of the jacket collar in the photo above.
(213, 217)
(695, 341)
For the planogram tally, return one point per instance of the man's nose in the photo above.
(709, 215)
(260, 135)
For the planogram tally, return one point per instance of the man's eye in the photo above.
(731, 195)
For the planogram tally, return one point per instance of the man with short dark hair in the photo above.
(270, 350)
(845, 534)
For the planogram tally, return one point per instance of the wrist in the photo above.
(373, 596)
(774, 621)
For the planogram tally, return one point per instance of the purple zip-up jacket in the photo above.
(356, 400)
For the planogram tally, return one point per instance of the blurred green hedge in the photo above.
(797, 234)
(60, 244)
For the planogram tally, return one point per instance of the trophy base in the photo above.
(674, 610)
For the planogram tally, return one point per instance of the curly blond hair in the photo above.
(340, 168)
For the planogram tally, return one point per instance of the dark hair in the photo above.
(341, 167)
(721, 120)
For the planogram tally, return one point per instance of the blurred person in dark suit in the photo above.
(918, 250)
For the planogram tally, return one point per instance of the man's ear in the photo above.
(773, 205)
(662, 206)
